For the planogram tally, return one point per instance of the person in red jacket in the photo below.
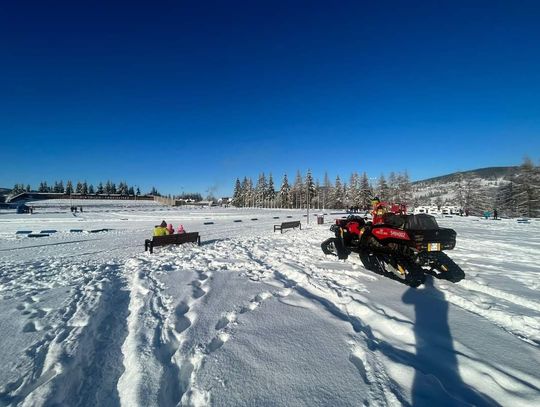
(379, 209)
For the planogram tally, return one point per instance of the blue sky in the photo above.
(189, 96)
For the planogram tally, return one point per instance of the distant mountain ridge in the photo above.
(488, 173)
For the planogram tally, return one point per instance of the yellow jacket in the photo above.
(160, 231)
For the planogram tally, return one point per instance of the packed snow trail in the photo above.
(78, 360)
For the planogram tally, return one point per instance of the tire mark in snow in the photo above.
(386, 335)
(524, 327)
(308, 280)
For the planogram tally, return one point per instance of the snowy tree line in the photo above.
(521, 195)
(515, 195)
(358, 191)
(83, 188)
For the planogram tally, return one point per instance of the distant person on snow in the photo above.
(181, 230)
(161, 229)
(170, 229)
(495, 213)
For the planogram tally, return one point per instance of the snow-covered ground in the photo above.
(253, 317)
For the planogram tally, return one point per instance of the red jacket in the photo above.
(378, 212)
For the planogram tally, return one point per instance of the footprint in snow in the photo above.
(255, 302)
(202, 276)
(225, 320)
(197, 291)
(29, 327)
(217, 342)
(182, 321)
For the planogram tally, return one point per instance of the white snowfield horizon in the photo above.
(256, 318)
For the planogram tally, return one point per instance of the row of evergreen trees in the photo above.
(357, 192)
(83, 188)
(516, 195)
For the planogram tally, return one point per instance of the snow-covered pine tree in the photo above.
(91, 190)
(43, 187)
(382, 189)
(309, 188)
(366, 192)
(131, 191)
(337, 198)
(404, 189)
(285, 193)
(392, 187)
(237, 194)
(100, 189)
(78, 188)
(270, 189)
(326, 191)
(123, 188)
(352, 195)
(297, 191)
(249, 193)
(69, 188)
(28, 189)
(260, 190)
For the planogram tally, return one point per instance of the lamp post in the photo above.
(307, 202)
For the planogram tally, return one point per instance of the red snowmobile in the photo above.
(400, 246)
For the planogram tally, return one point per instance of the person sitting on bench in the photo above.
(170, 229)
(161, 229)
(181, 229)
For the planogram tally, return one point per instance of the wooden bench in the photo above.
(181, 238)
(288, 225)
